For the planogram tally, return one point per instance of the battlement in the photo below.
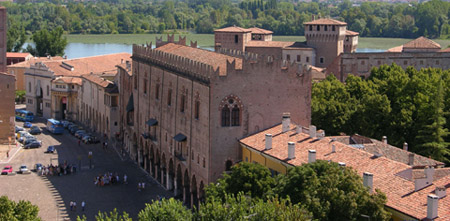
(182, 65)
(171, 39)
(238, 54)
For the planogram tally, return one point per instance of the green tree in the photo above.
(165, 210)
(48, 43)
(12, 211)
(432, 136)
(331, 192)
(15, 37)
(251, 179)
(243, 207)
(111, 216)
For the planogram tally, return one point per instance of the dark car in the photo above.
(35, 130)
(50, 149)
(27, 124)
(94, 139)
(18, 129)
(73, 129)
(29, 140)
(38, 167)
(79, 134)
(34, 144)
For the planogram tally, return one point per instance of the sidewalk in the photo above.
(13, 150)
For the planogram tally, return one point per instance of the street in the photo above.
(52, 194)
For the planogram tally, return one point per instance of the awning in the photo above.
(130, 105)
(152, 122)
(180, 137)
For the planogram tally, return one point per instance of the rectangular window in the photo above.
(48, 90)
(145, 86)
(135, 79)
(307, 59)
(236, 39)
(318, 27)
(321, 60)
(310, 27)
(405, 62)
(288, 57)
(299, 58)
(157, 92)
(169, 97)
(326, 27)
(333, 28)
(197, 109)
(182, 101)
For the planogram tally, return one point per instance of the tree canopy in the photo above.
(48, 43)
(372, 19)
(13, 211)
(404, 105)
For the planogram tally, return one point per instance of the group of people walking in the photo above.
(109, 178)
(73, 205)
(58, 170)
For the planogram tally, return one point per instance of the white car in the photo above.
(23, 169)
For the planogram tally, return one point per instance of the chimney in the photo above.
(333, 148)
(299, 129)
(440, 191)
(341, 164)
(405, 146)
(291, 150)
(429, 173)
(128, 65)
(384, 139)
(286, 122)
(121, 61)
(410, 159)
(268, 141)
(312, 131)
(368, 181)
(311, 156)
(313, 17)
(432, 206)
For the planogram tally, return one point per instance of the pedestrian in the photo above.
(143, 185)
(125, 179)
(139, 187)
(117, 178)
(71, 205)
(83, 204)
(79, 142)
(75, 205)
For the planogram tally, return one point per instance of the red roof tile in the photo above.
(233, 29)
(96, 80)
(396, 49)
(422, 42)
(17, 55)
(269, 44)
(34, 60)
(81, 66)
(351, 33)
(256, 30)
(399, 191)
(445, 50)
(325, 21)
(216, 60)
(69, 80)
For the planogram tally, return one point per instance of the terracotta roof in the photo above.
(399, 191)
(396, 49)
(256, 30)
(35, 60)
(439, 173)
(233, 29)
(374, 146)
(351, 33)
(96, 80)
(124, 67)
(69, 80)
(214, 59)
(422, 42)
(17, 55)
(270, 44)
(325, 21)
(87, 65)
(445, 50)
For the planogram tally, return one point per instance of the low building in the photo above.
(412, 194)
(7, 108)
(19, 69)
(52, 86)
(17, 57)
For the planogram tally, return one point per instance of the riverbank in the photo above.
(207, 40)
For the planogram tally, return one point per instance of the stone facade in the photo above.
(3, 30)
(38, 87)
(183, 110)
(7, 112)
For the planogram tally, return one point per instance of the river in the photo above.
(79, 50)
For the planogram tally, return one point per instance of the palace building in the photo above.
(183, 109)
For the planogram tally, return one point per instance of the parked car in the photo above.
(35, 130)
(34, 144)
(29, 140)
(65, 123)
(86, 138)
(18, 128)
(7, 170)
(79, 134)
(50, 149)
(38, 167)
(27, 124)
(94, 139)
(21, 133)
(74, 129)
(23, 169)
(26, 136)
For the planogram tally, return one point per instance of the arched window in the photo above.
(225, 116)
(235, 116)
(228, 165)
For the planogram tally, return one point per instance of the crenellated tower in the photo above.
(327, 37)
